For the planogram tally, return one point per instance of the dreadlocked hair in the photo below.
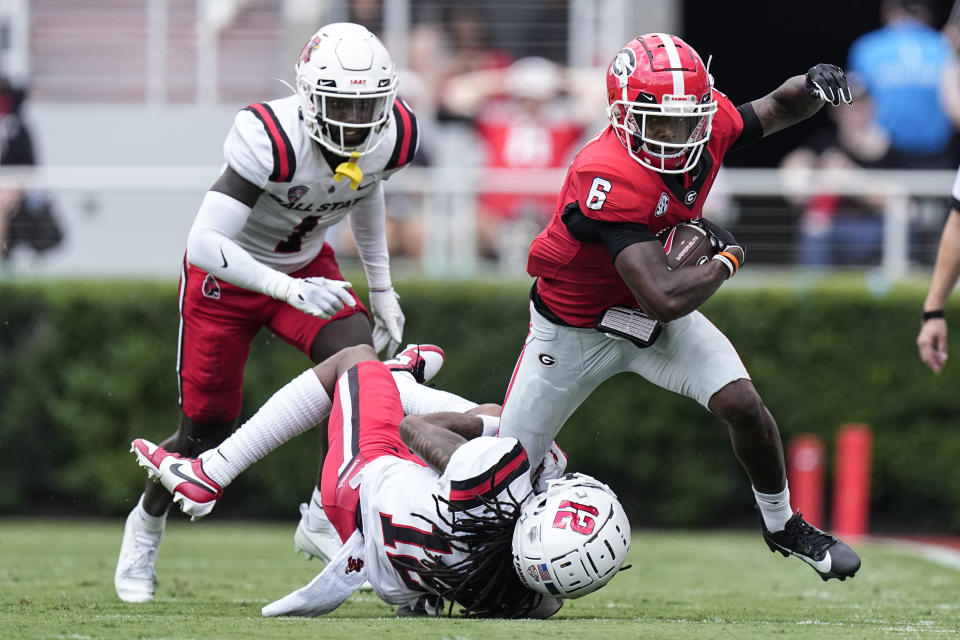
(484, 583)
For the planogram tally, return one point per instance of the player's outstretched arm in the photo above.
(435, 436)
(802, 96)
(368, 223)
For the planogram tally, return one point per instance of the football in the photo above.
(686, 244)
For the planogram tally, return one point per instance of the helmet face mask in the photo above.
(571, 539)
(347, 122)
(346, 84)
(661, 104)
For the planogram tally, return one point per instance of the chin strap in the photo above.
(349, 169)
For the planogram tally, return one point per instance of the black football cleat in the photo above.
(829, 557)
(426, 605)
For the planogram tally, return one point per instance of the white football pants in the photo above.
(560, 366)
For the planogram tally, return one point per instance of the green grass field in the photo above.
(56, 581)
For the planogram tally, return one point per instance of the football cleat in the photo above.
(136, 577)
(426, 605)
(829, 557)
(315, 537)
(192, 489)
(422, 361)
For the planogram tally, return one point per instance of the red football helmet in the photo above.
(660, 97)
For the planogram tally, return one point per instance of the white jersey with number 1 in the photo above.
(268, 146)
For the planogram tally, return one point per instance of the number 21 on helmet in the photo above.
(571, 539)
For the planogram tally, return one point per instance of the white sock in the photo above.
(418, 399)
(295, 408)
(151, 524)
(775, 508)
(315, 513)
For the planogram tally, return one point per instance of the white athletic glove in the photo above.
(319, 297)
(388, 320)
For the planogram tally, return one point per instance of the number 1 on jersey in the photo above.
(293, 241)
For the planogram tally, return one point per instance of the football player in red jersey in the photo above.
(604, 301)
(257, 257)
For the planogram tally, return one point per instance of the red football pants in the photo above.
(218, 322)
(364, 425)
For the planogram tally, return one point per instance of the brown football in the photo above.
(686, 244)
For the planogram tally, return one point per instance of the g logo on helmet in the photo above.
(623, 65)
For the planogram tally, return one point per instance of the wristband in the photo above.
(930, 315)
(729, 261)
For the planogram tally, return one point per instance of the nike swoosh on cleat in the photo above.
(822, 566)
(175, 470)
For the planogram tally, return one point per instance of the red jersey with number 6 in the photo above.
(577, 280)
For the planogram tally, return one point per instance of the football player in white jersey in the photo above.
(256, 255)
(429, 509)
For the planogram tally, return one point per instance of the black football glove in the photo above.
(730, 252)
(828, 83)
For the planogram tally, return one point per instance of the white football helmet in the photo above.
(571, 539)
(346, 83)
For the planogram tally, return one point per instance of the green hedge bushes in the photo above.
(85, 367)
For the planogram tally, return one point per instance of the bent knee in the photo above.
(738, 403)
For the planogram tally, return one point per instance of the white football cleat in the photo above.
(192, 489)
(315, 537)
(422, 361)
(136, 577)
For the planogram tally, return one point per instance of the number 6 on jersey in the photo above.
(598, 193)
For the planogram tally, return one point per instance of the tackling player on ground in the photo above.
(649, 170)
(428, 508)
(256, 255)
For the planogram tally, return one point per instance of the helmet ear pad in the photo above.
(572, 539)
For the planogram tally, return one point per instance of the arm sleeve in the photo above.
(211, 247)
(752, 129)
(368, 221)
(616, 236)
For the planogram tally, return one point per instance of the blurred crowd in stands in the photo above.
(26, 217)
(504, 101)
(906, 115)
(525, 110)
